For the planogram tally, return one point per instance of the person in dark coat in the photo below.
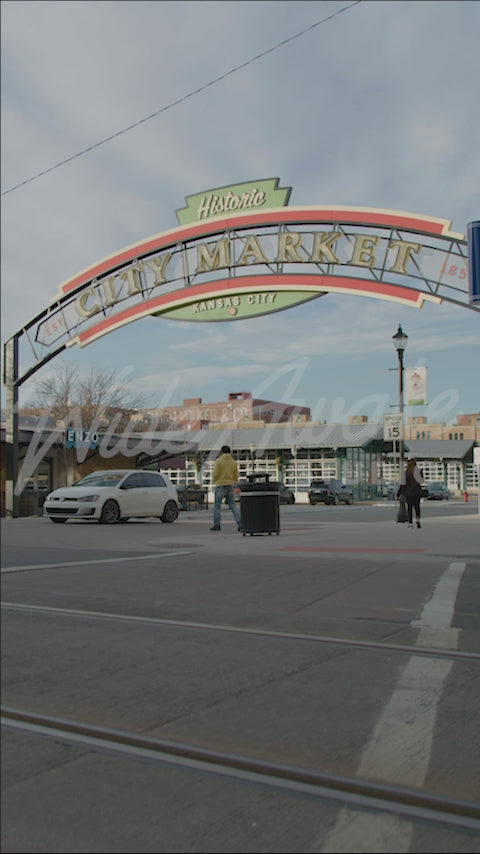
(412, 491)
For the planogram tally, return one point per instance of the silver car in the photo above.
(113, 496)
(437, 491)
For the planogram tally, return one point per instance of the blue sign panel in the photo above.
(79, 438)
(473, 243)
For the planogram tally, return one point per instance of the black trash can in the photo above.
(260, 505)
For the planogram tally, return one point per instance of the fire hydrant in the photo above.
(465, 496)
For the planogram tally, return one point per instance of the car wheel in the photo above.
(57, 521)
(170, 512)
(110, 514)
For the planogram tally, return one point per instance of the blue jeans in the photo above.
(226, 492)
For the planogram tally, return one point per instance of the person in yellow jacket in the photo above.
(225, 473)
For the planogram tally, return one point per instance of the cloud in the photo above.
(364, 110)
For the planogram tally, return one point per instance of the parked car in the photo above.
(329, 492)
(287, 496)
(437, 491)
(191, 494)
(114, 496)
(390, 491)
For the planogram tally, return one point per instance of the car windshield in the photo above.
(100, 480)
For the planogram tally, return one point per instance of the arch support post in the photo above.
(11, 425)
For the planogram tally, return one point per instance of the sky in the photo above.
(370, 103)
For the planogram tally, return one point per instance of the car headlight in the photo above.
(92, 497)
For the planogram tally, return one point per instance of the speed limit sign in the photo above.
(392, 427)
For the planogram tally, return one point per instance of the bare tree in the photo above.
(85, 403)
(53, 395)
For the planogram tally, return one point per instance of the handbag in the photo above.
(424, 492)
(402, 512)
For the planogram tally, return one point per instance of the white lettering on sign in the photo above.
(291, 249)
(212, 204)
(229, 251)
(105, 293)
(214, 304)
(73, 438)
(261, 298)
(234, 301)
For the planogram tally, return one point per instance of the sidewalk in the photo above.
(455, 537)
(348, 534)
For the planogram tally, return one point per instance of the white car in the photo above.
(114, 496)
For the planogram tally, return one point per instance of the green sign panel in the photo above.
(233, 306)
(236, 198)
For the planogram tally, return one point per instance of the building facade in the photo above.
(465, 427)
(285, 444)
(240, 408)
(298, 453)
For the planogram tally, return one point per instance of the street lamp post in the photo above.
(293, 452)
(253, 451)
(400, 343)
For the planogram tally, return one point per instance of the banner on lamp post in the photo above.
(415, 386)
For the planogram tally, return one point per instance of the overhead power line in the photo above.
(181, 100)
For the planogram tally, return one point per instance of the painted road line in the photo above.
(93, 562)
(400, 748)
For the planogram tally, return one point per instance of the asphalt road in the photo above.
(170, 689)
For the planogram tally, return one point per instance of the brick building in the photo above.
(465, 427)
(239, 409)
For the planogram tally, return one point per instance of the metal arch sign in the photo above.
(240, 252)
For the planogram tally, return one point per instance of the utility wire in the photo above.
(180, 100)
